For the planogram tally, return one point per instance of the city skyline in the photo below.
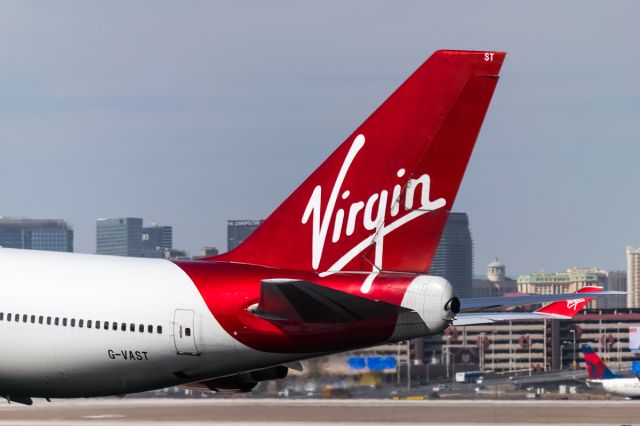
(187, 117)
(156, 236)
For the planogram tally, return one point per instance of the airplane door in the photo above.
(184, 332)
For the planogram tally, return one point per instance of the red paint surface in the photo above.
(569, 308)
(427, 126)
(229, 289)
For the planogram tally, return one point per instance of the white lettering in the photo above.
(337, 226)
(371, 219)
(353, 213)
(320, 227)
(425, 204)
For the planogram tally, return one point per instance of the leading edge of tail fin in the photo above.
(381, 200)
(596, 368)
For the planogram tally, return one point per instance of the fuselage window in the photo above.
(140, 327)
(98, 325)
(64, 322)
(115, 326)
(33, 319)
(24, 317)
(1, 316)
(187, 332)
(88, 323)
(132, 327)
(8, 317)
(57, 321)
(17, 318)
(40, 319)
(150, 328)
(48, 320)
(73, 322)
(160, 330)
(123, 327)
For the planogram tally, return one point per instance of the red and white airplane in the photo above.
(339, 265)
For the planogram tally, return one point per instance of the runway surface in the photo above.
(317, 412)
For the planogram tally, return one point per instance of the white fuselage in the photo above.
(40, 358)
(79, 325)
(624, 386)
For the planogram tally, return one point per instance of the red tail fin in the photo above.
(381, 200)
(569, 308)
(597, 369)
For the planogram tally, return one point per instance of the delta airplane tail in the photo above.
(597, 369)
(381, 200)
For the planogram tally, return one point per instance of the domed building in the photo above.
(496, 271)
(496, 282)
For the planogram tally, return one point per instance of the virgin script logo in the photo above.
(366, 214)
(574, 304)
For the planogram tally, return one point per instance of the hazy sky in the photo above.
(191, 113)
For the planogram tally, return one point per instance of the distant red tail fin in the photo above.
(569, 308)
(596, 368)
(381, 200)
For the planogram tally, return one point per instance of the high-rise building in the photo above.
(616, 281)
(454, 257)
(239, 230)
(633, 277)
(156, 240)
(119, 236)
(36, 234)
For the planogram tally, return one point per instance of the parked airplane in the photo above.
(339, 265)
(601, 378)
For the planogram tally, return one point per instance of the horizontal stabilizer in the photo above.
(495, 302)
(285, 299)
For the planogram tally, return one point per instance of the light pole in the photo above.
(561, 356)
(511, 367)
(481, 350)
(544, 345)
(448, 347)
(601, 341)
(493, 351)
(529, 345)
(618, 345)
(408, 365)
(573, 334)
(398, 362)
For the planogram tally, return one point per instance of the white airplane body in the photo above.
(602, 378)
(79, 359)
(83, 325)
(628, 387)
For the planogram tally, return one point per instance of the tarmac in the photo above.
(265, 412)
